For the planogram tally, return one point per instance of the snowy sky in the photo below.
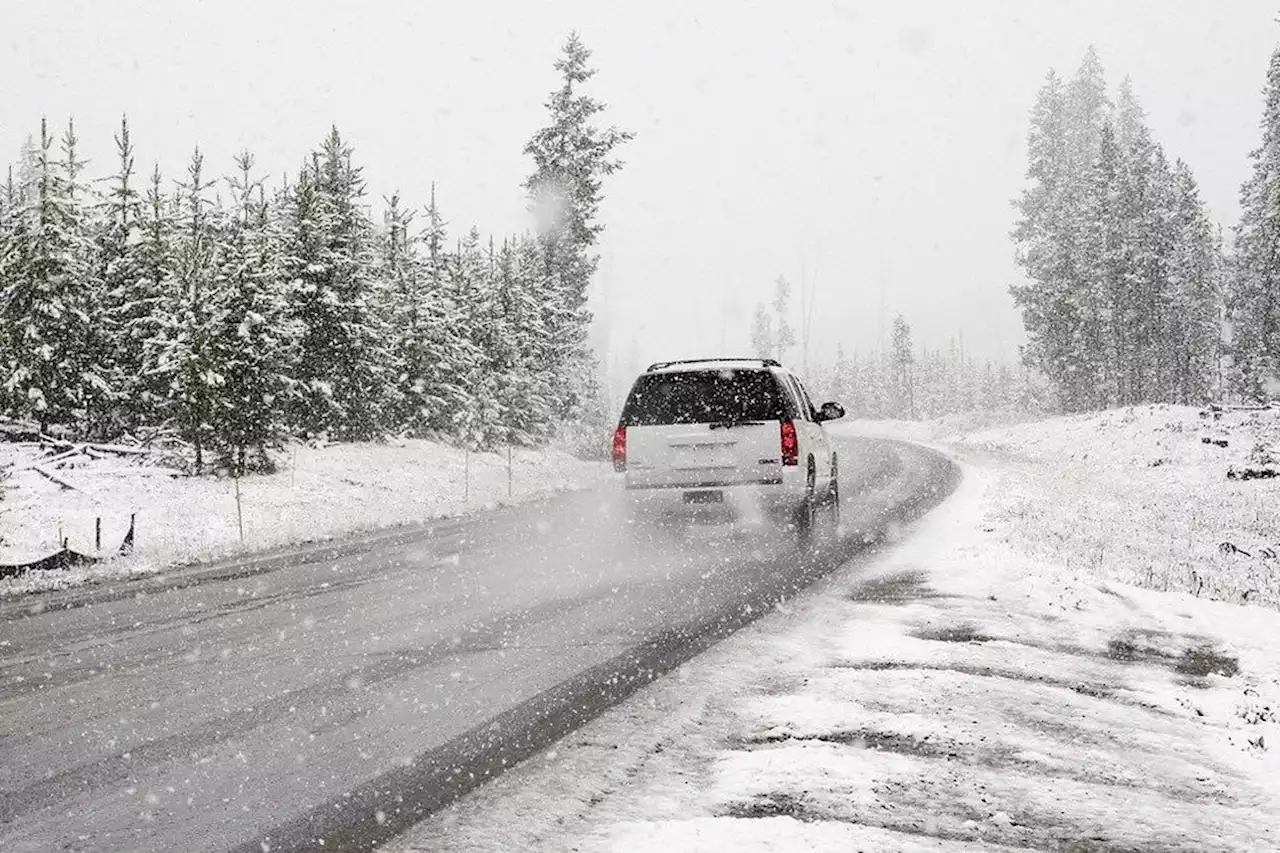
(877, 145)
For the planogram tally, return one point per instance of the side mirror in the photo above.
(830, 412)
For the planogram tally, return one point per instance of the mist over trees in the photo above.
(771, 332)
(238, 314)
(909, 383)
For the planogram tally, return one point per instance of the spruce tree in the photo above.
(128, 297)
(1052, 313)
(1194, 333)
(189, 316)
(150, 312)
(901, 360)
(251, 344)
(45, 300)
(1254, 296)
(347, 380)
(783, 335)
(571, 156)
(762, 340)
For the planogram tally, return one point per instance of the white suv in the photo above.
(735, 432)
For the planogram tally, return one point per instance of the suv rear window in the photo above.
(704, 397)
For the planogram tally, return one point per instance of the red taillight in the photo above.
(620, 449)
(790, 444)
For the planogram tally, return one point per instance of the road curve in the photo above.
(345, 692)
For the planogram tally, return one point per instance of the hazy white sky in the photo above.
(879, 144)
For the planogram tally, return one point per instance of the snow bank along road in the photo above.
(346, 692)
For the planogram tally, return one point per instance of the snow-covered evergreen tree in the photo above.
(97, 398)
(1049, 300)
(129, 299)
(189, 316)
(1193, 339)
(525, 389)
(468, 285)
(252, 343)
(1109, 238)
(149, 312)
(784, 337)
(1254, 296)
(46, 298)
(762, 339)
(571, 156)
(344, 367)
(902, 360)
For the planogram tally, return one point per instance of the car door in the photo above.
(818, 444)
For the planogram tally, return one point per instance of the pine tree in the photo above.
(571, 157)
(400, 267)
(538, 376)
(189, 316)
(1195, 296)
(150, 311)
(856, 381)
(1254, 297)
(46, 300)
(443, 349)
(840, 378)
(1102, 294)
(762, 340)
(1049, 300)
(477, 423)
(251, 345)
(9, 270)
(1087, 107)
(346, 375)
(784, 336)
(128, 297)
(901, 361)
(1114, 252)
(95, 414)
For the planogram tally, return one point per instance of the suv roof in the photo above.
(712, 363)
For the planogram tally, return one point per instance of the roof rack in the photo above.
(767, 362)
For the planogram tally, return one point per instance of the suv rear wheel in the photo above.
(833, 496)
(806, 513)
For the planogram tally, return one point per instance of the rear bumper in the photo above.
(740, 500)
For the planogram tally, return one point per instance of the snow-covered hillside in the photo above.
(317, 494)
(1146, 496)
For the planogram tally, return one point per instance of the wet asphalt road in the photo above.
(343, 693)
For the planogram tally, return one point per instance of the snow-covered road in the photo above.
(346, 694)
(986, 684)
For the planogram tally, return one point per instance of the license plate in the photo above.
(704, 497)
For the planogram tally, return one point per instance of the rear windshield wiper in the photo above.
(732, 424)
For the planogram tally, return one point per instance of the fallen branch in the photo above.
(57, 480)
(141, 471)
(57, 457)
(121, 450)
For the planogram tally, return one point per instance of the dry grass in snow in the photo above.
(1136, 495)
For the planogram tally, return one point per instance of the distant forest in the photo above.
(236, 315)
(1132, 295)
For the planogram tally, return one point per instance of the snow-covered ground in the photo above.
(319, 493)
(988, 684)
